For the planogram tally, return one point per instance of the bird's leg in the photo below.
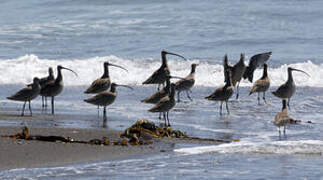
(258, 98)
(226, 105)
(188, 96)
(23, 108)
(238, 90)
(168, 119)
(53, 104)
(284, 130)
(31, 113)
(164, 115)
(160, 114)
(158, 87)
(221, 108)
(178, 96)
(104, 116)
(279, 132)
(264, 97)
(98, 111)
(288, 103)
(42, 102)
(46, 102)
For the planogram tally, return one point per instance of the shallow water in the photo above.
(83, 34)
(260, 153)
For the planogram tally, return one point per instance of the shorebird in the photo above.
(158, 95)
(261, 85)
(27, 94)
(287, 90)
(237, 71)
(165, 104)
(255, 62)
(55, 87)
(153, 99)
(223, 93)
(102, 83)
(43, 81)
(186, 84)
(226, 67)
(105, 98)
(282, 118)
(159, 76)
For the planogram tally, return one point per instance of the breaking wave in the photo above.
(23, 69)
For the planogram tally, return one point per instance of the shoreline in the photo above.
(15, 154)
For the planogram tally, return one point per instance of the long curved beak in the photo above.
(293, 69)
(118, 66)
(176, 77)
(70, 70)
(176, 55)
(125, 86)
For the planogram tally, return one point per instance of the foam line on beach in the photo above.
(21, 70)
(314, 147)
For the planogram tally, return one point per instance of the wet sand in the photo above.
(32, 154)
(28, 154)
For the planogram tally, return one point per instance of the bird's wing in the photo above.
(99, 85)
(22, 94)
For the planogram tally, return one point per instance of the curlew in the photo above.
(102, 83)
(43, 81)
(226, 67)
(105, 98)
(186, 84)
(237, 71)
(27, 94)
(53, 88)
(165, 104)
(158, 95)
(159, 76)
(261, 85)
(282, 118)
(255, 62)
(223, 93)
(153, 99)
(287, 90)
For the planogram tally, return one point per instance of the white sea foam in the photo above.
(23, 69)
(269, 147)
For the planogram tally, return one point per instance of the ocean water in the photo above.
(81, 35)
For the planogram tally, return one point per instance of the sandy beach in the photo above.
(19, 153)
(28, 154)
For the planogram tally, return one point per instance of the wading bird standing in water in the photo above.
(186, 84)
(159, 76)
(165, 104)
(43, 81)
(102, 83)
(261, 85)
(287, 90)
(223, 93)
(282, 118)
(27, 94)
(105, 98)
(54, 88)
(237, 71)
